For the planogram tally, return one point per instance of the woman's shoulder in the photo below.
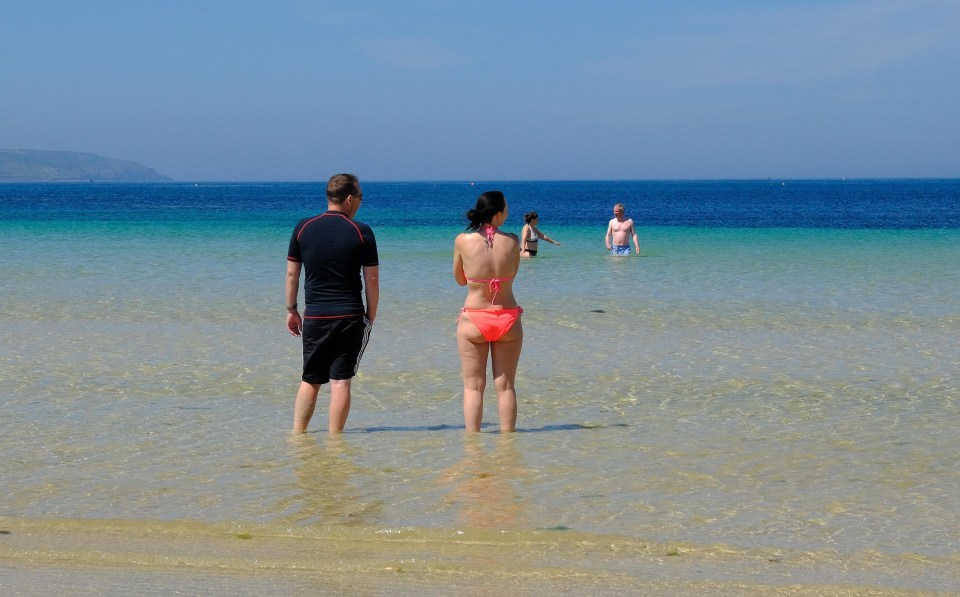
(466, 241)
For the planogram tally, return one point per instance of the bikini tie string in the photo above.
(494, 288)
(489, 231)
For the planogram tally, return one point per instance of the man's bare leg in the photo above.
(339, 404)
(304, 406)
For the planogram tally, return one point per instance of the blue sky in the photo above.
(428, 90)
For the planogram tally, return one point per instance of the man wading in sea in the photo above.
(621, 229)
(335, 252)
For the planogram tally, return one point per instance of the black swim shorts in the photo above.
(332, 348)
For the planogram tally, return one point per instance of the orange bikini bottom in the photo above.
(493, 323)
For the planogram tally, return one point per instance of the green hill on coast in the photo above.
(30, 165)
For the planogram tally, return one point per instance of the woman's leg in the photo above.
(473, 349)
(506, 355)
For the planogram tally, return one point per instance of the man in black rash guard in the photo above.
(338, 256)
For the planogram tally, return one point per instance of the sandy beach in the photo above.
(150, 558)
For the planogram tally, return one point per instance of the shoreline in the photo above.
(41, 556)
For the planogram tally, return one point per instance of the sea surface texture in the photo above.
(768, 393)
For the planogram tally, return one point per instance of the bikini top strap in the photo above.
(489, 231)
(494, 285)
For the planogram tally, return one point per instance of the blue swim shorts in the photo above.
(620, 250)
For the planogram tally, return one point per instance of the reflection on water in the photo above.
(327, 487)
(483, 485)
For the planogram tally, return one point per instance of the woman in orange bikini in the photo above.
(485, 260)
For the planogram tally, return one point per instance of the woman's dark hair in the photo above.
(530, 216)
(488, 205)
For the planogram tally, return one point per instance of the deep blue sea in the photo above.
(768, 392)
(839, 204)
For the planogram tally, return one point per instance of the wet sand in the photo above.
(153, 558)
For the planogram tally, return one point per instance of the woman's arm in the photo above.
(524, 234)
(516, 261)
(545, 237)
(458, 273)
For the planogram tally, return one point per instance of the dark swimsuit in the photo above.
(527, 241)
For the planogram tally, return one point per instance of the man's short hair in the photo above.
(618, 207)
(342, 186)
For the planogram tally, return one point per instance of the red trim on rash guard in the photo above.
(355, 227)
(307, 223)
(352, 223)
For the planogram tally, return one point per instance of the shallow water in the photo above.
(784, 390)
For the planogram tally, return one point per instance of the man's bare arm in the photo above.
(292, 288)
(371, 288)
(636, 241)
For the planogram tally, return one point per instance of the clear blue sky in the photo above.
(459, 90)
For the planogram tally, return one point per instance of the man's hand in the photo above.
(294, 323)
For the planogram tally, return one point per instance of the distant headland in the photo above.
(32, 165)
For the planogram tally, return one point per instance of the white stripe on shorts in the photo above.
(367, 326)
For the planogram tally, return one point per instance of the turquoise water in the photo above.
(787, 389)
